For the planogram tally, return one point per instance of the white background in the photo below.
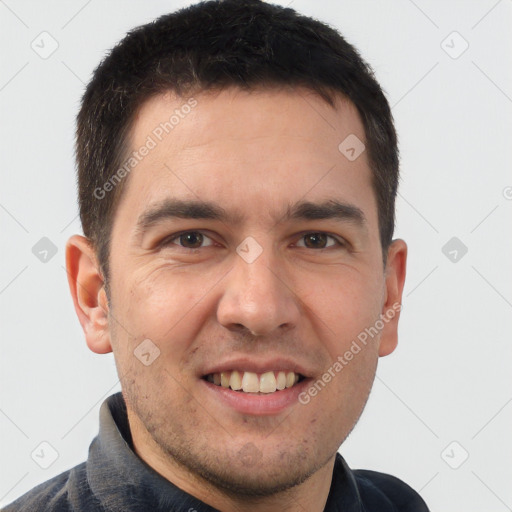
(449, 379)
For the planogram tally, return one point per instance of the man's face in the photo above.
(271, 286)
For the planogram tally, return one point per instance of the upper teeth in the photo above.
(251, 382)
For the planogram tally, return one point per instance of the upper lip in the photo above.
(253, 364)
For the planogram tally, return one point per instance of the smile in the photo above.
(251, 382)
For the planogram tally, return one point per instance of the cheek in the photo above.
(163, 304)
(344, 307)
(351, 391)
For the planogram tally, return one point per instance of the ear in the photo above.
(394, 283)
(88, 292)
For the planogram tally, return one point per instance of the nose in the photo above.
(258, 298)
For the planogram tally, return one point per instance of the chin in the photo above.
(262, 478)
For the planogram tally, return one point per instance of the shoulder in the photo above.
(55, 495)
(378, 488)
(45, 496)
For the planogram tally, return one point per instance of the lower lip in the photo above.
(260, 404)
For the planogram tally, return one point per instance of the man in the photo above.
(237, 167)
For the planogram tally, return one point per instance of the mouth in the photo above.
(256, 387)
(255, 393)
(268, 382)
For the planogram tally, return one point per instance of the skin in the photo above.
(254, 153)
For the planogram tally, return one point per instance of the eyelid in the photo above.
(169, 240)
(339, 241)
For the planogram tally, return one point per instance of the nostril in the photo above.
(246, 333)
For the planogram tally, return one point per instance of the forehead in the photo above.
(273, 146)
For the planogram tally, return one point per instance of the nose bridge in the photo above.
(259, 282)
(255, 296)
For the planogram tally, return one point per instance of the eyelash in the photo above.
(168, 241)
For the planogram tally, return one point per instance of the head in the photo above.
(226, 229)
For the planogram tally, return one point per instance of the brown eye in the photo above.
(317, 241)
(190, 240)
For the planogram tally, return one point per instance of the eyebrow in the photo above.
(182, 209)
(206, 210)
(330, 209)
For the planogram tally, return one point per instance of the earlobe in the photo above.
(394, 283)
(88, 293)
